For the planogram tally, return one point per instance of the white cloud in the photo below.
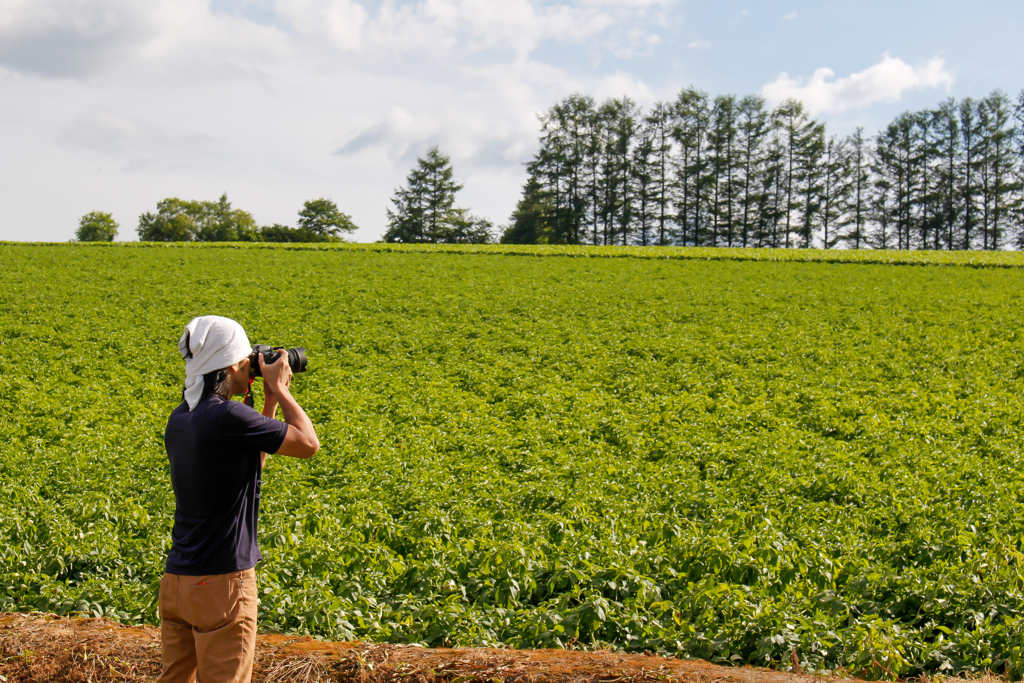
(341, 22)
(634, 43)
(81, 39)
(75, 38)
(631, 4)
(124, 102)
(791, 15)
(624, 85)
(398, 130)
(68, 38)
(699, 45)
(440, 27)
(146, 146)
(883, 82)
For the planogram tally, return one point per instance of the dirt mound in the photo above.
(41, 647)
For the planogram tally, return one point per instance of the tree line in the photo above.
(424, 211)
(697, 171)
(732, 172)
(181, 220)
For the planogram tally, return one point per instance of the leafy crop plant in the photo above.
(738, 460)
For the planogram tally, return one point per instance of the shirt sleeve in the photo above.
(251, 430)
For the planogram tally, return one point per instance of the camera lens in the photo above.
(297, 359)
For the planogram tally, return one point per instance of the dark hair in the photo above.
(216, 382)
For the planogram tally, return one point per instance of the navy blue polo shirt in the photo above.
(215, 472)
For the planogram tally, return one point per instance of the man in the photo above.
(217, 448)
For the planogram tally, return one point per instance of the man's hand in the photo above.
(277, 376)
(300, 441)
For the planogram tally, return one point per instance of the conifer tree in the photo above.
(530, 223)
(643, 188)
(967, 186)
(773, 189)
(946, 143)
(575, 117)
(1018, 213)
(791, 121)
(858, 168)
(810, 177)
(690, 136)
(928, 204)
(1000, 184)
(618, 118)
(752, 131)
(722, 156)
(425, 204)
(837, 182)
(729, 172)
(659, 126)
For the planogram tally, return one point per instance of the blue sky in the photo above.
(113, 105)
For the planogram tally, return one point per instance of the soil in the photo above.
(47, 647)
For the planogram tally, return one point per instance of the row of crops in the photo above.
(977, 259)
(736, 460)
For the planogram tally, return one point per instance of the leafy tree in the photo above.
(426, 203)
(285, 233)
(218, 222)
(96, 226)
(462, 227)
(174, 221)
(321, 217)
(178, 220)
(530, 220)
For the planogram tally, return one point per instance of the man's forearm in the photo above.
(269, 406)
(294, 415)
(269, 409)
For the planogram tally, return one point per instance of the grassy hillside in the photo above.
(728, 459)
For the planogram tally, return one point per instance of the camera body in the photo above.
(296, 358)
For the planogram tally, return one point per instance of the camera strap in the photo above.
(249, 399)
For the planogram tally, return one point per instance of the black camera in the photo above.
(296, 358)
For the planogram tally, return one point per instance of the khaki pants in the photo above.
(208, 625)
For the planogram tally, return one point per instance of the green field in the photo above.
(728, 459)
